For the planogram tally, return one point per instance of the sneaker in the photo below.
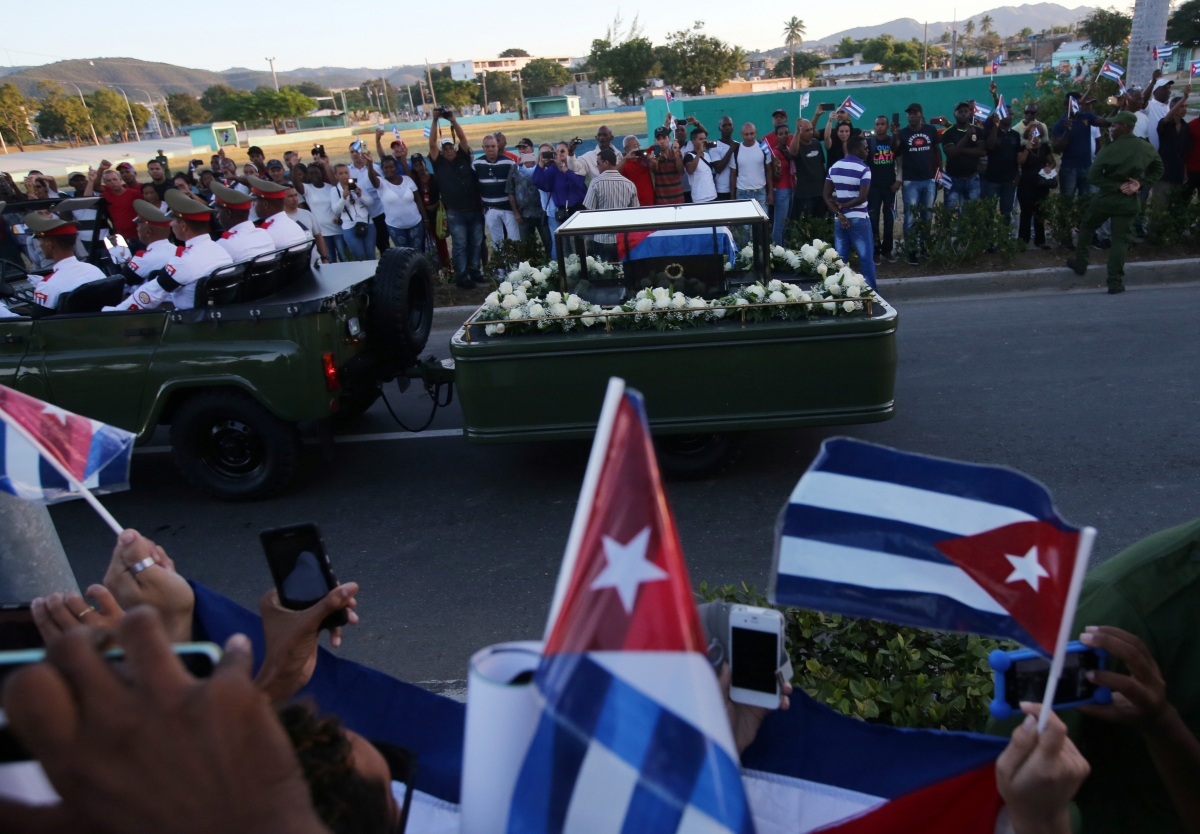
(465, 284)
(878, 259)
(1117, 289)
(1075, 266)
(912, 260)
(890, 257)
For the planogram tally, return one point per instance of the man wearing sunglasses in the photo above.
(1031, 120)
(604, 137)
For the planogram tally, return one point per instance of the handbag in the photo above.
(360, 229)
(441, 227)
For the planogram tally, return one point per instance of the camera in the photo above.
(576, 142)
(443, 112)
(352, 182)
(548, 155)
(318, 150)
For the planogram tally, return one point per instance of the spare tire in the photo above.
(400, 314)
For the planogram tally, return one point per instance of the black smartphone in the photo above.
(710, 144)
(318, 150)
(657, 151)
(300, 566)
(352, 182)
(17, 629)
(548, 155)
(1026, 680)
(895, 118)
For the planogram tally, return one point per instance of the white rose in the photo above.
(848, 306)
(573, 302)
(516, 314)
(756, 291)
(499, 328)
(719, 313)
(590, 260)
(819, 244)
(493, 300)
(856, 280)
(777, 251)
(810, 255)
(553, 297)
(830, 281)
(539, 277)
(836, 289)
(509, 302)
(853, 291)
(662, 303)
(490, 330)
(793, 260)
(747, 251)
(804, 297)
(587, 321)
(536, 311)
(678, 301)
(520, 295)
(526, 285)
(505, 289)
(775, 286)
(830, 305)
(741, 302)
(644, 305)
(839, 263)
(660, 293)
(514, 277)
(697, 303)
(559, 310)
(822, 269)
(777, 297)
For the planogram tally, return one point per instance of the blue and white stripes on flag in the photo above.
(1195, 68)
(426, 131)
(25, 472)
(1121, 85)
(765, 148)
(396, 132)
(1001, 110)
(995, 66)
(982, 113)
(1164, 52)
(1112, 71)
(852, 107)
(668, 95)
(357, 145)
(803, 100)
(1072, 106)
(944, 180)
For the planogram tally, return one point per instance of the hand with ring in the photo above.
(58, 613)
(141, 573)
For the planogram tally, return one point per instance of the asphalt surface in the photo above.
(457, 546)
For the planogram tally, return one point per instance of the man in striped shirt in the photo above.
(609, 190)
(491, 172)
(847, 191)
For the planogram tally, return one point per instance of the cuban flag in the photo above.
(982, 113)
(1112, 71)
(944, 179)
(852, 107)
(357, 145)
(396, 132)
(995, 66)
(1195, 68)
(1121, 85)
(39, 441)
(803, 100)
(1164, 52)
(667, 95)
(1072, 106)
(633, 734)
(674, 243)
(1002, 111)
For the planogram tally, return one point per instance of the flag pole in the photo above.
(587, 495)
(1083, 553)
(62, 470)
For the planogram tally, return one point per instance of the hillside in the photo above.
(1006, 20)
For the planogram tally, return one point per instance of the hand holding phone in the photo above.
(301, 569)
(755, 645)
(1022, 675)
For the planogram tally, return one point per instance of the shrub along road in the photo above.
(457, 546)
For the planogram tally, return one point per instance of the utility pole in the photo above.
(343, 92)
(521, 92)
(167, 107)
(429, 76)
(274, 77)
(387, 102)
(85, 109)
(130, 111)
(954, 44)
(484, 77)
(411, 108)
(925, 50)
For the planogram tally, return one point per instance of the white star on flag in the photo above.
(1026, 568)
(57, 412)
(627, 568)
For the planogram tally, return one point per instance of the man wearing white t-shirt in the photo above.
(748, 178)
(720, 156)
(358, 170)
(698, 166)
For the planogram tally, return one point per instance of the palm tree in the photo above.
(793, 33)
(739, 60)
(969, 30)
(985, 23)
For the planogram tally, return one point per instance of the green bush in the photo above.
(1063, 213)
(880, 672)
(805, 229)
(1177, 221)
(957, 236)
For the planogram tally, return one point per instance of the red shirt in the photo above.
(120, 209)
(1193, 157)
(787, 175)
(637, 171)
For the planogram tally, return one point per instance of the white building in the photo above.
(468, 70)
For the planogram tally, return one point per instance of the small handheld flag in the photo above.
(1072, 106)
(668, 95)
(1112, 71)
(944, 179)
(1195, 68)
(1121, 86)
(1164, 52)
(995, 66)
(396, 132)
(1002, 111)
(803, 100)
(357, 145)
(852, 107)
(982, 113)
(426, 131)
(765, 148)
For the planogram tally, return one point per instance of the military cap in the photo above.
(182, 205)
(45, 226)
(268, 189)
(76, 204)
(1124, 118)
(151, 214)
(231, 197)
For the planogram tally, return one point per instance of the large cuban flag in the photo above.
(633, 734)
(37, 439)
(874, 532)
(675, 243)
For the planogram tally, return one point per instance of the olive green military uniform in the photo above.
(1151, 589)
(1128, 157)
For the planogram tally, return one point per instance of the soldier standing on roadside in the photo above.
(1119, 172)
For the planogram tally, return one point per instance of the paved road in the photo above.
(458, 546)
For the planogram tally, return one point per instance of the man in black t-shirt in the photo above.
(881, 156)
(808, 155)
(917, 149)
(964, 147)
(457, 183)
(1003, 146)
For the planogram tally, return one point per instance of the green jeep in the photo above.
(270, 343)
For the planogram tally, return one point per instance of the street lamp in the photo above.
(85, 109)
(130, 111)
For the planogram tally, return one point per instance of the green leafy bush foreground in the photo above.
(876, 671)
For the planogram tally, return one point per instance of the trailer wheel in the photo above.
(229, 445)
(401, 307)
(689, 456)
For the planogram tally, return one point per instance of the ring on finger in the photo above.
(89, 610)
(138, 567)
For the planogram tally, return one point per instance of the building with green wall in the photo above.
(937, 97)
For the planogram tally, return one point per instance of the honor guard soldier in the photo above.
(268, 203)
(57, 240)
(1124, 167)
(199, 256)
(154, 229)
(241, 238)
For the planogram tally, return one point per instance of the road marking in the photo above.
(345, 438)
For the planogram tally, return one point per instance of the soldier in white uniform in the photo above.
(57, 237)
(268, 203)
(241, 238)
(154, 230)
(198, 256)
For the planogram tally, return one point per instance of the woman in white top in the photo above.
(353, 207)
(403, 208)
(319, 193)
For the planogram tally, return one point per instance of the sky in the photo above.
(318, 34)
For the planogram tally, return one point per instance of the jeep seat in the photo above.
(91, 297)
(222, 286)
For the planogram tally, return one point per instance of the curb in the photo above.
(449, 318)
(1139, 273)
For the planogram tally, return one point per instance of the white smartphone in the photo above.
(755, 639)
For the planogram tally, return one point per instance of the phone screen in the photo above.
(296, 556)
(754, 657)
(1026, 680)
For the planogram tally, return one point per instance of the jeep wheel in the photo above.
(228, 445)
(688, 456)
(401, 311)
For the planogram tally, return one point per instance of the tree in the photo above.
(501, 88)
(309, 89)
(847, 48)
(1025, 33)
(806, 65)
(110, 115)
(985, 23)
(212, 99)
(968, 30)
(14, 116)
(514, 53)
(627, 65)
(1184, 26)
(694, 61)
(451, 93)
(61, 115)
(877, 50)
(793, 34)
(944, 37)
(905, 57)
(540, 74)
(187, 110)
(1106, 29)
